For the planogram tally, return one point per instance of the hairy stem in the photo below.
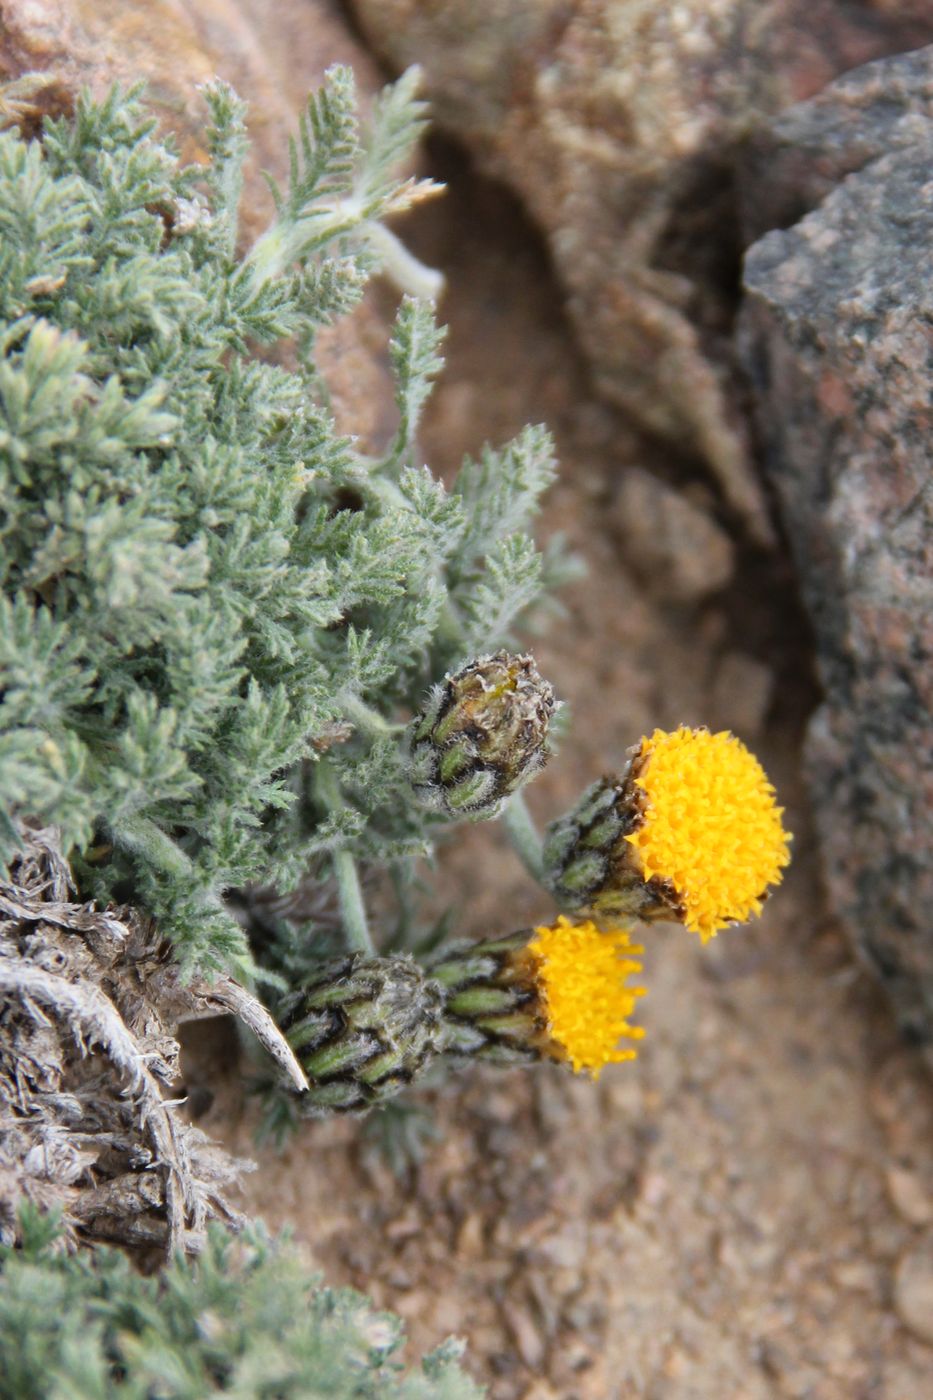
(366, 718)
(523, 835)
(404, 269)
(352, 908)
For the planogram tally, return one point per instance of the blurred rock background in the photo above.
(652, 144)
(747, 1211)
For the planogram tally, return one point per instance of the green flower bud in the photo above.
(362, 1029)
(482, 734)
(590, 866)
(492, 1009)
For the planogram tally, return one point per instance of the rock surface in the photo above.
(791, 165)
(839, 348)
(913, 1290)
(618, 123)
(669, 540)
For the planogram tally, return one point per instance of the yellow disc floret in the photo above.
(711, 827)
(582, 974)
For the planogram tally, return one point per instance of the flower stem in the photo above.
(523, 835)
(145, 838)
(352, 908)
(402, 267)
(349, 892)
(366, 718)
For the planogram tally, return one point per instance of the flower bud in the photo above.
(482, 734)
(555, 992)
(362, 1029)
(690, 832)
(588, 863)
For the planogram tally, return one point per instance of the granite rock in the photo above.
(618, 123)
(837, 340)
(789, 166)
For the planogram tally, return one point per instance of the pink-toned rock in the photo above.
(740, 695)
(618, 123)
(913, 1290)
(674, 545)
(910, 1195)
(838, 343)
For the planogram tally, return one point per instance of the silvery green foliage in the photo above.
(215, 610)
(244, 1319)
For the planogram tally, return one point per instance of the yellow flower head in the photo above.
(581, 975)
(710, 826)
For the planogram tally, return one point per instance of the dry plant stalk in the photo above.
(91, 1000)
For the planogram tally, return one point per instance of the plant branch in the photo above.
(523, 834)
(352, 908)
(350, 894)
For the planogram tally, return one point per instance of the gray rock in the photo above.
(790, 166)
(618, 122)
(837, 336)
